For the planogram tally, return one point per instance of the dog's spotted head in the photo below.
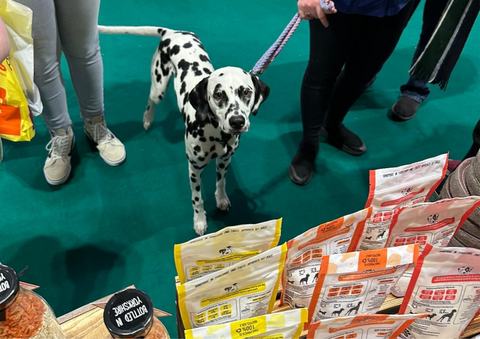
(228, 96)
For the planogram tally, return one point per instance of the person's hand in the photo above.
(311, 9)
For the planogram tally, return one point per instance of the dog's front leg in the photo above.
(223, 203)
(199, 217)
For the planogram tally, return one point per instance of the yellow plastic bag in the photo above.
(18, 21)
(16, 123)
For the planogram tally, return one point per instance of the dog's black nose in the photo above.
(237, 122)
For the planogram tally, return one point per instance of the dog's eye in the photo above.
(218, 95)
(247, 93)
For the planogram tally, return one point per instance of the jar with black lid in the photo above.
(23, 313)
(130, 314)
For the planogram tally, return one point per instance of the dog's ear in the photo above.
(198, 99)
(261, 93)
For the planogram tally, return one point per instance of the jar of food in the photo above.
(130, 314)
(23, 313)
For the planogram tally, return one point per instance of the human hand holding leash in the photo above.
(316, 9)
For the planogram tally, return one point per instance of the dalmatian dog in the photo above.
(215, 106)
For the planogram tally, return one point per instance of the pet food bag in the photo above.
(428, 223)
(305, 254)
(371, 326)
(391, 188)
(212, 252)
(284, 325)
(244, 290)
(446, 285)
(358, 282)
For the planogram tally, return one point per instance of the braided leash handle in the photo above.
(276, 48)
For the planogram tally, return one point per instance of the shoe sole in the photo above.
(398, 117)
(351, 151)
(344, 148)
(59, 181)
(294, 180)
(107, 161)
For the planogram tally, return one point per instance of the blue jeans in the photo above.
(418, 89)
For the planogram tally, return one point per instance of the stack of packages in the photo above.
(229, 283)
(464, 182)
(336, 276)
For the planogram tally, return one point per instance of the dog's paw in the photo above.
(200, 223)
(200, 227)
(147, 119)
(223, 203)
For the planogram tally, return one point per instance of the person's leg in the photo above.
(415, 91)
(48, 78)
(328, 50)
(377, 40)
(78, 30)
(77, 26)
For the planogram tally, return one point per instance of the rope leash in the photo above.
(275, 49)
(278, 45)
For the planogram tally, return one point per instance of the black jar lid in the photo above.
(9, 285)
(128, 313)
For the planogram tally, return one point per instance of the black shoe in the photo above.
(345, 140)
(301, 167)
(404, 109)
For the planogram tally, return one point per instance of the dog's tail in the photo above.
(135, 30)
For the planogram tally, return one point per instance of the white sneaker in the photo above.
(111, 149)
(57, 166)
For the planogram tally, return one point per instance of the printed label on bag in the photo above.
(358, 282)
(393, 188)
(445, 284)
(306, 250)
(213, 252)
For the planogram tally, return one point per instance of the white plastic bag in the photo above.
(391, 188)
(445, 284)
(287, 325)
(306, 250)
(244, 290)
(212, 252)
(18, 21)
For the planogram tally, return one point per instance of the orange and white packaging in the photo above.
(212, 252)
(369, 326)
(358, 282)
(391, 188)
(244, 290)
(284, 325)
(446, 285)
(306, 250)
(428, 223)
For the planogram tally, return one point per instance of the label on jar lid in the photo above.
(9, 285)
(128, 313)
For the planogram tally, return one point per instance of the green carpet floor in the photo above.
(111, 227)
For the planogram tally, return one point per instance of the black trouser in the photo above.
(359, 45)
(476, 142)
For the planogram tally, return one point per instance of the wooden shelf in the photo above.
(86, 322)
